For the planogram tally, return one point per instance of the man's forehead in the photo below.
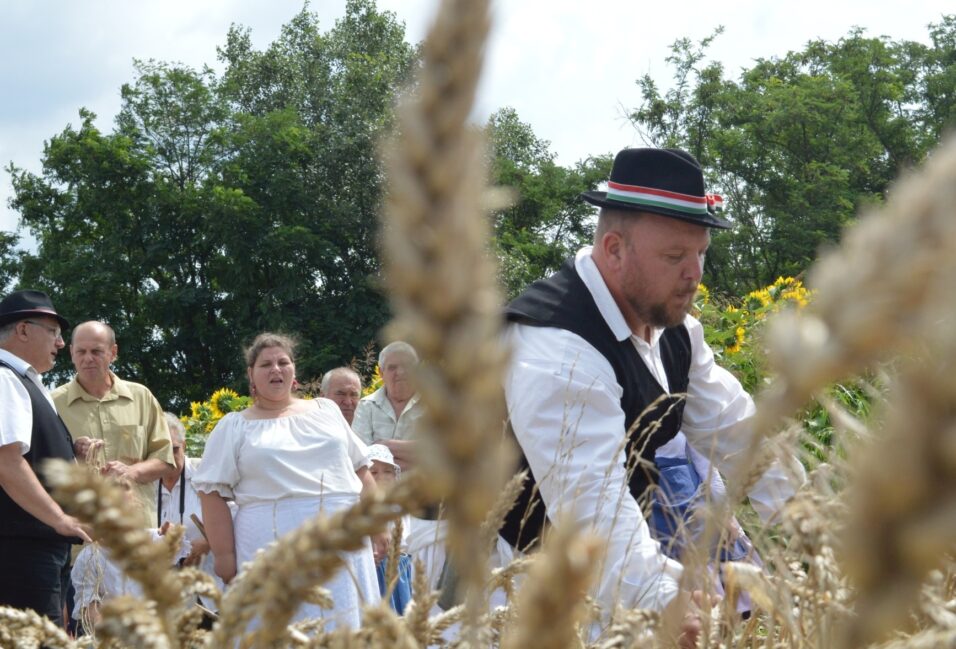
(399, 358)
(88, 342)
(340, 381)
(91, 337)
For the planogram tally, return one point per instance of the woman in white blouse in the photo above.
(283, 461)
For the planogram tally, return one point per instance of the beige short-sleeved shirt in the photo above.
(375, 418)
(131, 422)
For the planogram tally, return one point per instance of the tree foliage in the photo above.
(798, 144)
(547, 221)
(221, 206)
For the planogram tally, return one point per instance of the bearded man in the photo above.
(608, 366)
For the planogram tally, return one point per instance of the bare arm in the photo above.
(222, 539)
(380, 541)
(23, 486)
(403, 450)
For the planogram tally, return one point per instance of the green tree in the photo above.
(9, 260)
(799, 143)
(547, 221)
(221, 207)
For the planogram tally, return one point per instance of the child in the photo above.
(386, 471)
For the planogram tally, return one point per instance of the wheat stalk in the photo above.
(133, 623)
(283, 575)
(442, 283)
(27, 629)
(104, 506)
(551, 602)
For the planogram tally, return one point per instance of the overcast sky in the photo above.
(567, 66)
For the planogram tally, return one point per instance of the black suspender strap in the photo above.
(182, 498)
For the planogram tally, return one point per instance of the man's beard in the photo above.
(658, 314)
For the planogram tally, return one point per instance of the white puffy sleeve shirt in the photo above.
(564, 402)
(308, 454)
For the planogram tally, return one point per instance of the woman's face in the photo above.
(272, 374)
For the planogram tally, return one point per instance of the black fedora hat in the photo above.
(663, 181)
(20, 305)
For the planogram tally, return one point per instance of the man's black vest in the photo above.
(50, 438)
(564, 301)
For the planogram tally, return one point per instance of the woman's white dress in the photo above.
(281, 473)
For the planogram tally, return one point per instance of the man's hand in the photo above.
(199, 549)
(403, 450)
(120, 470)
(683, 615)
(69, 526)
(83, 446)
(380, 543)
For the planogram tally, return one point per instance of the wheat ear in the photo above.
(30, 630)
(104, 506)
(285, 574)
(442, 283)
(551, 601)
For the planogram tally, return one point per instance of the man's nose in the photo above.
(695, 269)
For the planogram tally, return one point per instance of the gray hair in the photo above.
(6, 331)
(176, 428)
(399, 346)
(338, 371)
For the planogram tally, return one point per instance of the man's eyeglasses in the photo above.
(57, 334)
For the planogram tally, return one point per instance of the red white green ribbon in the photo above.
(657, 198)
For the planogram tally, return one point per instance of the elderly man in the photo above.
(342, 385)
(608, 366)
(177, 500)
(114, 421)
(389, 415)
(35, 533)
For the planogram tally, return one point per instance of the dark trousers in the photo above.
(30, 574)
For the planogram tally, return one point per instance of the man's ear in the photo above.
(612, 247)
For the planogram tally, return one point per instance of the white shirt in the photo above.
(16, 410)
(168, 501)
(308, 454)
(564, 402)
(169, 512)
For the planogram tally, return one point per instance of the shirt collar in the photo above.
(381, 398)
(118, 390)
(588, 272)
(21, 366)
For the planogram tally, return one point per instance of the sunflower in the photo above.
(222, 401)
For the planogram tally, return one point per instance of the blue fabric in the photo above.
(678, 493)
(402, 594)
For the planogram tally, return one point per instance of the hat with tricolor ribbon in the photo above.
(662, 181)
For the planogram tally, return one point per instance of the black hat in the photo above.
(663, 181)
(20, 305)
